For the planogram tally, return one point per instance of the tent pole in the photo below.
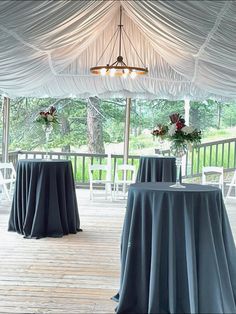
(186, 110)
(5, 135)
(127, 128)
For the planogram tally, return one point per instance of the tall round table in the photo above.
(44, 201)
(178, 254)
(156, 169)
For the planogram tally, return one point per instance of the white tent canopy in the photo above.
(48, 47)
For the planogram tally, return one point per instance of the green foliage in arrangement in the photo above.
(177, 131)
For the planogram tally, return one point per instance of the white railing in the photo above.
(218, 153)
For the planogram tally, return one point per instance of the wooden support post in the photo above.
(5, 135)
(186, 110)
(127, 129)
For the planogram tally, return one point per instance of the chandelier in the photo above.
(119, 67)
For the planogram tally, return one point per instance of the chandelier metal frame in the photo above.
(119, 67)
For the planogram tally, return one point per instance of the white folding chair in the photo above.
(216, 176)
(7, 178)
(100, 175)
(124, 176)
(232, 185)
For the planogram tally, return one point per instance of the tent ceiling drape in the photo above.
(47, 48)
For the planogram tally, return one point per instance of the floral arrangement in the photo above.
(48, 117)
(178, 132)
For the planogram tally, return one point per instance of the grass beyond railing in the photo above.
(218, 153)
(80, 162)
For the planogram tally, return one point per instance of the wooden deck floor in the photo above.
(74, 274)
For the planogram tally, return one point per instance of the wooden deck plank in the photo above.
(74, 274)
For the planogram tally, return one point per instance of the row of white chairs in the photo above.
(7, 179)
(218, 173)
(210, 176)
(124, 176)
(232, 187)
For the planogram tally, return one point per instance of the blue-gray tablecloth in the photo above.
(178, 254)
(44, 201)
(156, 169)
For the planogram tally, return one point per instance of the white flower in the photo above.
(50, 117)
(172, 129)
(187, 129)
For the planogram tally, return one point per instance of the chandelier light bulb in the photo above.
(112, 72)
(133, 74)
(103, 71)
(126, 71)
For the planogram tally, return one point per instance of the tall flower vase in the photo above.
(48, 130)
(178, 150)
(161, 147)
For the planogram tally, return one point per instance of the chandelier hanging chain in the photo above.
(119, 67)
(113, 48)
(120, 27)
(116, 33)
(126, 56)
(134, 48)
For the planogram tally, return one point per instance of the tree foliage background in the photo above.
(81, 119)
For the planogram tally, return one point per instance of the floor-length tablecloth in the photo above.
(178, 254)
(44, 201)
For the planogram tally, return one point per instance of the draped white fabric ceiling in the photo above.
(48, 47)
